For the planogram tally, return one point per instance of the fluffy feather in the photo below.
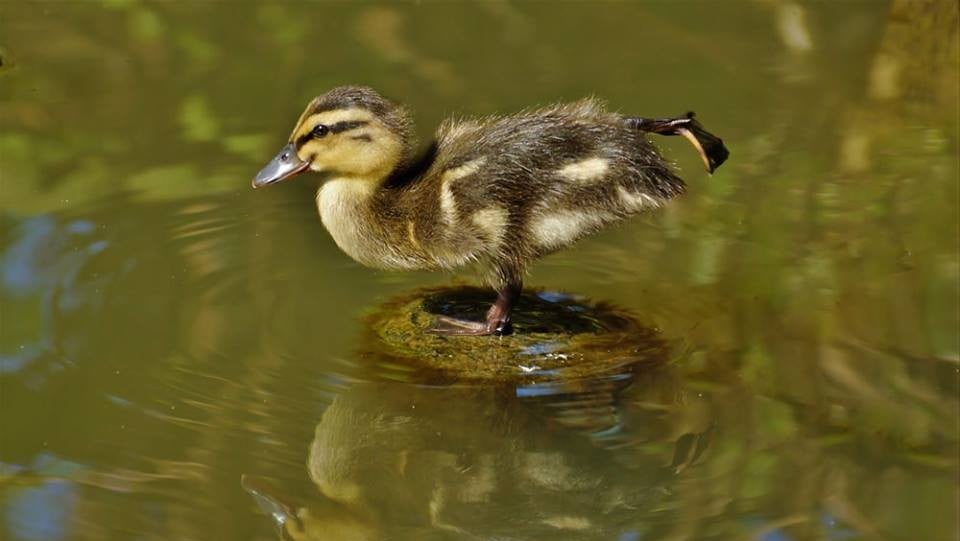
(501, 191)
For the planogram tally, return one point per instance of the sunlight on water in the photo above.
(772, 357)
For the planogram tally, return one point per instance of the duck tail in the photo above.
(711, 148)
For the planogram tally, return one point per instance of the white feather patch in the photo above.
(637, 201)
(560, 228)
(492, 222)
(585, 171)
(448, 206)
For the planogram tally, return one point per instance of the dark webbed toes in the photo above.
(710, 147)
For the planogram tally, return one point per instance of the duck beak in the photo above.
(283, 166)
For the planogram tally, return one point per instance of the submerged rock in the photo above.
(556, 337)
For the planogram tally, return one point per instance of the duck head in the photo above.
(349, 132)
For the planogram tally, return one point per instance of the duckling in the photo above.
(499, 192)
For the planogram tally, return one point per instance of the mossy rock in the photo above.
(556, 337)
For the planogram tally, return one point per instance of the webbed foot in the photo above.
(450, 326)
(710, 147)
(497, 322)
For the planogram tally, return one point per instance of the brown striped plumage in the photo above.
(497, 191)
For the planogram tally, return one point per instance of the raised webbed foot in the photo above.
(710, 147)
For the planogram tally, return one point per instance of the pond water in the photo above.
(182, 358)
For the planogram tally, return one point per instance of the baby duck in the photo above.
(498, 191)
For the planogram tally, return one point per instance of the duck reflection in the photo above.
(572, 449)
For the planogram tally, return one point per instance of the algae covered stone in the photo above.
(556, 336)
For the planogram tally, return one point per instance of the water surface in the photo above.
(182, 358)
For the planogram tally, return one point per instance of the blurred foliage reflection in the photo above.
(163, 331)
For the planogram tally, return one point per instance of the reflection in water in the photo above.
(584, 457)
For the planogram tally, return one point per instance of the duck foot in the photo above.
(711, 148)
(451, 326)
(498, 317)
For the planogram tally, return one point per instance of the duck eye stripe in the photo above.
(303, 139)
(347, 125)
(333, 128)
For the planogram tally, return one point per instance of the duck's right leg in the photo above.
(497, 321)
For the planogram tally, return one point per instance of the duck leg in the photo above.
(497, 322)
(711, 148)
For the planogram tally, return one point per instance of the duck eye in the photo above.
(320, 130)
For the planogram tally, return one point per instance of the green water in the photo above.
(182, 358)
